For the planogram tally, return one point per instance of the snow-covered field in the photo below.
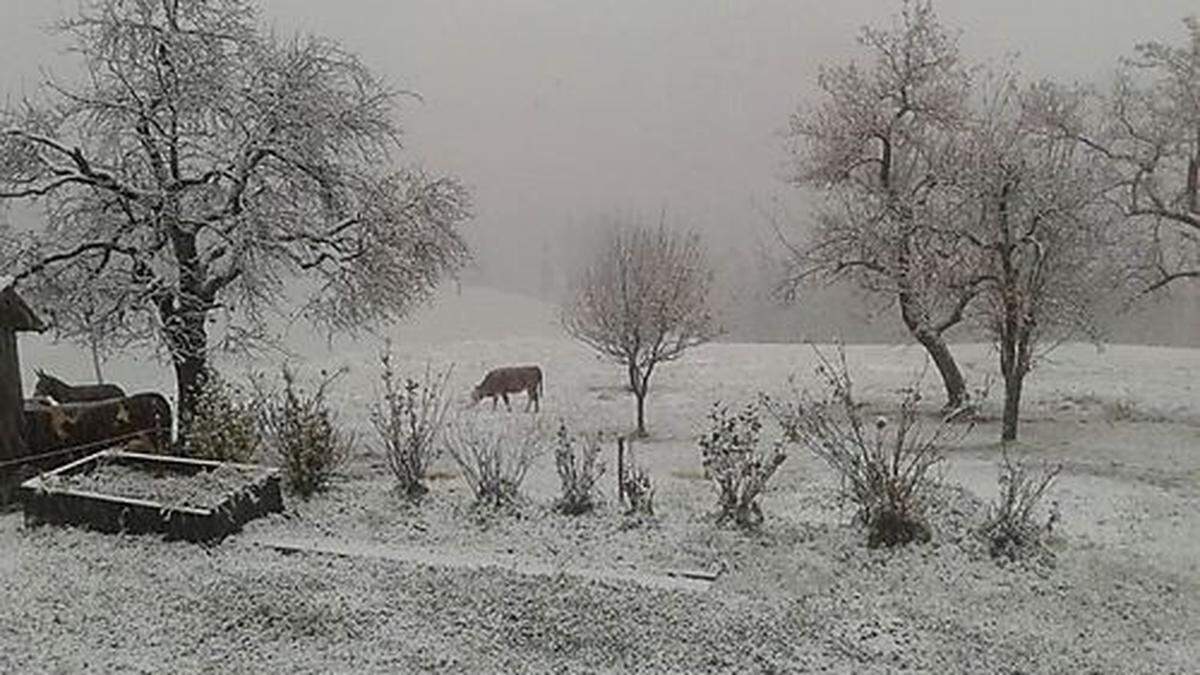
(440, 587)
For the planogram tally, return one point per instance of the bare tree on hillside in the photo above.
(876, 151)
(1147, 134)
(1042, 235)
(204, 168)
(643, 301)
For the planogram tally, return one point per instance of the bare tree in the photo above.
(1041, 232)
(1147, 134)
(878, 152)
(643, 301)
(206, 173)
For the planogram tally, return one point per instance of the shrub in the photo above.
(637, 492)
(576, 458)
(731, 460)
(302, 429)
(1011, 528)
(224, 423)
(494, 455)
(885, 468)
(408, 421)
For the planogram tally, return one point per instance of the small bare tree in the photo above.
(642, 302)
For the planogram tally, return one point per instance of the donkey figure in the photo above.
(48, 385)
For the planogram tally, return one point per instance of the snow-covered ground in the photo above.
(804, 594)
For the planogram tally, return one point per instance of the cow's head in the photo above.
(476, 394)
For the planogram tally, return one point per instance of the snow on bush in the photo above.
(733, 462)
(494, 454)
(1012, 527)
(224, 424)
(637, 491)
(885, 466)
(302, 429)
(409, 420)
(576, 457)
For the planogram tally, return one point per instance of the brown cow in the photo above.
(510, 380)
(144, 417)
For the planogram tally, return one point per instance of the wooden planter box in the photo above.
(55, 497)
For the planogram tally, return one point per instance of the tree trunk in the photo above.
(95, 344)
(641, 413)
(1012, 404)
(639, 384)
(190, 373)
(189, 344)
(939, 351)
(184, 315)
(952, 377)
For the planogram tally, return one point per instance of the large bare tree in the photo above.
(205, 173)
(876, 150)
(1042, 238)
(643, 301)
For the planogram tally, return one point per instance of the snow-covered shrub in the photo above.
(732, 461)
(885, 465)
(1012, 528)
(638, 491)
(302, 429)
(224, 423)
(408, 420)
(494, 454)
(576, 456)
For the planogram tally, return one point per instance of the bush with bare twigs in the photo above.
(494, 454)
(303, 431)
(576, 456)
(408, 420)
(1012, 529)
(733, 462)
(886, 466)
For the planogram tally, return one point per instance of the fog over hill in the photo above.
(556, 113)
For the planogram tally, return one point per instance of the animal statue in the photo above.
(501, 382)
(144, 418)
(48, 385)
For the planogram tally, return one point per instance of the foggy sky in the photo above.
(555, 111)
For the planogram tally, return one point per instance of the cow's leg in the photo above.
(495, 401)
(506, 404)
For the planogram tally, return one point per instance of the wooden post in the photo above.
(15, 316)
(12, 442)
(621, 470)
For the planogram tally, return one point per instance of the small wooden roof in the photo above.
(14, 313)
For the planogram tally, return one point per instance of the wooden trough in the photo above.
(55, 497)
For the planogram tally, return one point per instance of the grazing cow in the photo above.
(48, 385)
(504, 381)
(144, 417)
